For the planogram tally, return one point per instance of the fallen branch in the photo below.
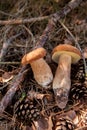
(56, 16)
(52, 22)
(13, 88)
(22, 21)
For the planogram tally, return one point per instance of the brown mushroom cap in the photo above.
(66, 49)
(33, 55)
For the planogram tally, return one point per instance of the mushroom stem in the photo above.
(61, 82)
(42, 72)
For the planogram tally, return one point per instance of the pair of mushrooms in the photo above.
(64, 55)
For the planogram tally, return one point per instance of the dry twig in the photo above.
(9, 63)
(22, 21)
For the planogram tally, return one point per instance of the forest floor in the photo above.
(18, 39)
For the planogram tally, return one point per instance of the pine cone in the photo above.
(64, 124)
(26, 111)
(78, 91)
(77, 72)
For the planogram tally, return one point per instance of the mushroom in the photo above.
(41, 70)
(64, 55)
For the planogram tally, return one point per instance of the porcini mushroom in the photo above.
(41, 70)
(64, 55)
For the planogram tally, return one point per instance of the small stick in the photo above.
(33, 94)
(22, 21)
(10, 63)
(46, 33)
